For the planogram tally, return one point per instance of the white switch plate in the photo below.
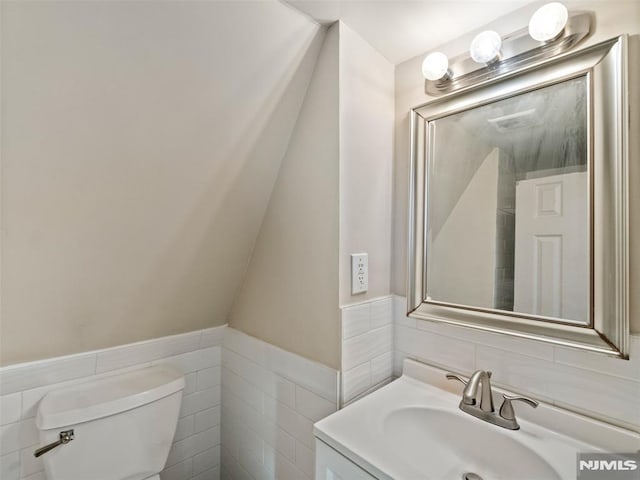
(359, 273)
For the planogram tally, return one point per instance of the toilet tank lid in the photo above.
(106, 396)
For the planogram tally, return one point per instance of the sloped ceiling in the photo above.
(402, 29)
(140, 145)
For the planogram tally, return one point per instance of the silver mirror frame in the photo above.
(605, 68)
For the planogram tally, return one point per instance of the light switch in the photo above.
(359, 273)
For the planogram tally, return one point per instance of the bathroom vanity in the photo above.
(413, 429)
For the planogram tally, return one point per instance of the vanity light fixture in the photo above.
(435, 66)
(552, 30)
(485, 47)
(548, 22)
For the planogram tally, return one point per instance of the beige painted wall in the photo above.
(140, 144)
(289, 297)
(332, 198)
(612, 18)
(366, 161)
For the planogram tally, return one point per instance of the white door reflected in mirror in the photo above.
(551, 278)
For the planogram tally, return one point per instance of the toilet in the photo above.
(116, 428)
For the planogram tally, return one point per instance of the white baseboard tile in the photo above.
(195, 454)
(270, 399)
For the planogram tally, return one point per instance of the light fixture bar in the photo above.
(518, 51)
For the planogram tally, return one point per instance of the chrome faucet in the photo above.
(483, 408)
(470, 394)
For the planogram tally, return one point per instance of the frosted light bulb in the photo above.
(548, 21)
(485, 47)
(435, 66)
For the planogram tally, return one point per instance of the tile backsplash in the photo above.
(195, 453)
(595, 385)
(367, 346)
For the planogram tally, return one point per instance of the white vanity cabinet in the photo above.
(331, 465)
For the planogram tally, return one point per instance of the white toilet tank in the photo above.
(123, 426)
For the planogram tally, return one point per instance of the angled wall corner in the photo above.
(289, 297)
(332, 198)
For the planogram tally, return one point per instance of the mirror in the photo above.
(508, 205)
(519, 200)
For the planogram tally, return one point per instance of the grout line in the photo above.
(370, 301)
(272, 371)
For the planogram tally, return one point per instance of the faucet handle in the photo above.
(506, 410)
(452, 376)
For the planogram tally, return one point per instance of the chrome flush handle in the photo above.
(65, 437)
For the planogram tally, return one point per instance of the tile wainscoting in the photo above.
(367, 347)
(195, 453)
(249, 407)
(270, 400)
(264, 412)
(595, 385)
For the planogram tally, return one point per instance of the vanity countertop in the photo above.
(412, 429)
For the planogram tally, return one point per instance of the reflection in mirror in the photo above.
(508, 205)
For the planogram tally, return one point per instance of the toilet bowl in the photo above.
(115, 428)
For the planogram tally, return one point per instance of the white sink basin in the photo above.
(449, 444)
(412, 429)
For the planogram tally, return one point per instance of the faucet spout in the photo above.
(483, 408)
(480, 379)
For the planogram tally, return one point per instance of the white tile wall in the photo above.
(195, 453)
(270, 399)
(249, 407)
(367, 346)
(598, 386)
